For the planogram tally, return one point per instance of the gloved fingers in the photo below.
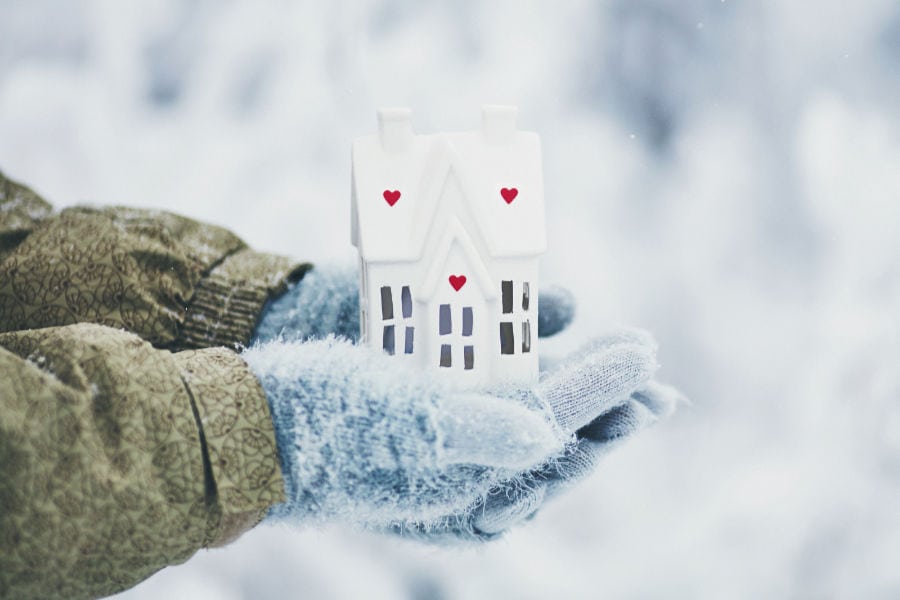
(516, 500)
(597, 379)
(577, 462)
(580, 459)
(622, 336)
(507, 506)
(648, 404)
(661, 399)
(556, 309)
(619, 336)
(485, 430)
(618, 423)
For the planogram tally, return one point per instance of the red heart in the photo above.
(509, 194)
(457, 281)
(391, 197)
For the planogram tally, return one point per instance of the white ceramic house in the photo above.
(450, 228)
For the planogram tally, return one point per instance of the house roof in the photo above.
(482, 163)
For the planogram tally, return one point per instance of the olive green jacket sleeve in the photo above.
(131, 433)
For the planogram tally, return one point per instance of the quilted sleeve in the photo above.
(118, 459)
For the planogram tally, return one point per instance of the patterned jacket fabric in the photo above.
(129, 436)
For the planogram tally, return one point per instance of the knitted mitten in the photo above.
(519, 498)
(364, 439)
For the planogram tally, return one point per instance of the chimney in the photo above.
(395, 128)
(498, 122)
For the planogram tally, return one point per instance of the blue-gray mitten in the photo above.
(519, 498)
(363, 439)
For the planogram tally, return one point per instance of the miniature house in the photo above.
(449, 229)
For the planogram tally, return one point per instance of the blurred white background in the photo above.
(724, 173)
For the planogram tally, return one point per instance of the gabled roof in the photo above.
(418, 166)
(435, 275)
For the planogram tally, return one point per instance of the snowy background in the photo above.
(723, 173)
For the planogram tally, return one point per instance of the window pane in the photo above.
(409, 341)
(406, 302)
(445, 355)
(506, 289)
(526, 295)
(467, 320)
(445, 324)
(387, 340)
(507, 343)
(387, 303)
(526, 336)
(469, 357)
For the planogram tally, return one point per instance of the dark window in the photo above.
(507, 342)
(469, 357)
(467, 320)
(506, 289)
(406, 302)
(387, 340)
(408, 348)
(445, 355)
(445, 324)
(526, 295)
(526, 336)
(387, 303)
